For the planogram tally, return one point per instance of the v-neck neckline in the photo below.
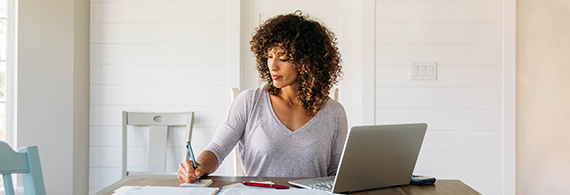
(281, 123)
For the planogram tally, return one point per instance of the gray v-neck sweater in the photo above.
(269, 149)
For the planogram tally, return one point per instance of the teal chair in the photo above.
(26, 162)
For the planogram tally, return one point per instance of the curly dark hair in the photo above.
(311, 48)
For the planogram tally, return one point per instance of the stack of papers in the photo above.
(240, 189)
(159, 190)
(234, 189)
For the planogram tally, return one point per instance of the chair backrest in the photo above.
(334, 94)
(234, 93)
(27, 162)
(158, 124)
(238, 167)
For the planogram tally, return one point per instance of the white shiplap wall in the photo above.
(155, 56)
(463, 107)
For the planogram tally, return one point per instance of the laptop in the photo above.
(373, 157)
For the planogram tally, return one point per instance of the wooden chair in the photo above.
(27, 162)
(235, 92)
(158, 135)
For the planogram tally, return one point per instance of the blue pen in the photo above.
(191, 156)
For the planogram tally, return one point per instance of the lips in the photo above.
(275, 77)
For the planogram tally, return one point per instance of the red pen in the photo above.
(265, 185)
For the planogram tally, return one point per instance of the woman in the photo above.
(290, 127)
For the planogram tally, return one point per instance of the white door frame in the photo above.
(509, 97)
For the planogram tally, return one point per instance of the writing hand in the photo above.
(187, 174)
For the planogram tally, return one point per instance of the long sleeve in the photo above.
(338, 142)
(232, 129)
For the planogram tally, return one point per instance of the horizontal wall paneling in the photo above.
(443, 118)
(145, 53)
(139, 74)
(468, 11)
(438, 97)
(155, 56)
(158, 12)
(448, 76)
(444, 54)
(158, 33)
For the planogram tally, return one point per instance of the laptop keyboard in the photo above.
(325, 186)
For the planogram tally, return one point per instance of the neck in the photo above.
(289, 94)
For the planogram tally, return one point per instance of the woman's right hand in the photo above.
(187, 174)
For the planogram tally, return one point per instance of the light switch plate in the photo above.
(423, 70)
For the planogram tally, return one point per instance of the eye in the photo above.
(284, 60)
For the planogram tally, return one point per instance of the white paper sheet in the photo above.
(163, 190)
(240, 189)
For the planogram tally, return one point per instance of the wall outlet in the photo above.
(423, 70)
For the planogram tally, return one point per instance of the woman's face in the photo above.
(283, 73)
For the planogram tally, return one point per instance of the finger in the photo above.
(191, 173)
(199, 172)
(185, 164)
(181, 167)
(185, 178)
(187, 172)
(180, 177)
(182, 174)
(189, 165)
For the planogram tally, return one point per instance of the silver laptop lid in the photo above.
(379, 156)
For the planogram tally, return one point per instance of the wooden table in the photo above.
(441, 187)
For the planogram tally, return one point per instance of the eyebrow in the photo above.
(282, 53)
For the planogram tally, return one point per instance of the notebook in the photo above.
(373, 157)
(203, 183)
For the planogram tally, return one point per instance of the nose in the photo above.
(272, 63)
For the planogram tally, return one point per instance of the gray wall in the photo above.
(53, 89)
